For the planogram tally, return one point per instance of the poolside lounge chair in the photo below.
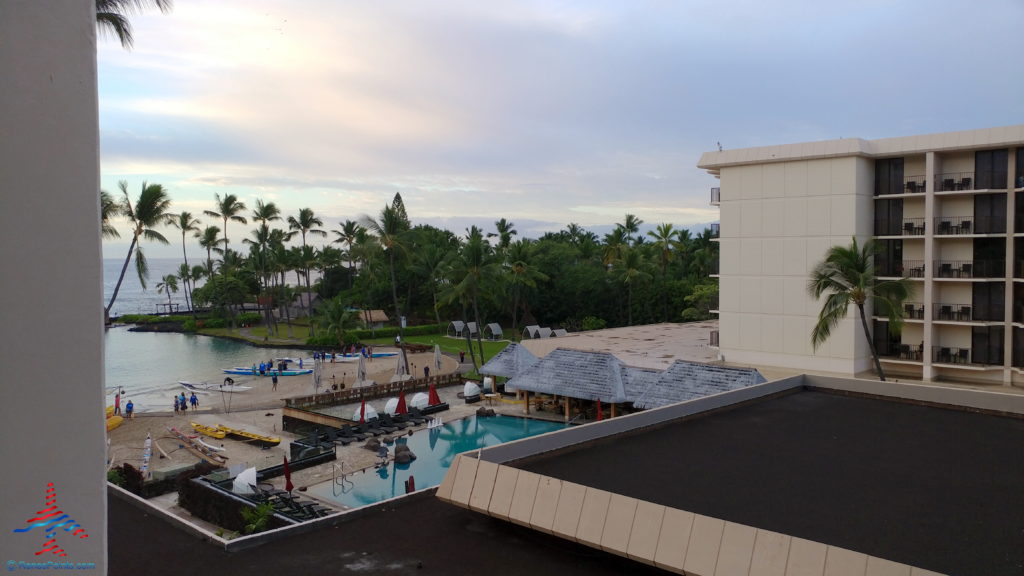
(411, 418)
(376, 423)
(387, 420)
(348, 432)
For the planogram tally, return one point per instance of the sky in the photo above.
(541, 112)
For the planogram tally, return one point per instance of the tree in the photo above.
(629, 269)
(149, 211)
(390, 229)
(348, 235)
(167, 285)
(186, 223)
(522, 275)
(847, 275)
(631, 225)
(109, 209)
(112, 17)
(336, 317)
(228, 208)
(185, 275)
(504, 234)
(305, 224)
(208, 239)
(472, 273)
(665, 238)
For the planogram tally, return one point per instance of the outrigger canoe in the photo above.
(198, 448)
(206, 387)
(243, 371)
(114, 422)
(210, 431)
(249, 436)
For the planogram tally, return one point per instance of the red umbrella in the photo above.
(362, 412)
(600, 414)
(401, 409)
(288, 476)
(434, 399)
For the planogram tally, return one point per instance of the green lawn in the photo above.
(450, 345)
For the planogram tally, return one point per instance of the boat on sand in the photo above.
(211, 431)
(247, 436)
(206, 387)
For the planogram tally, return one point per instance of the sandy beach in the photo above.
(259, 410)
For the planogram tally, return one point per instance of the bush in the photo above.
(189, 325)
(115, 477)
(257, 519)
(322, 340)
(249, 318)
(693, 315)
(593, 323)
(142, 319)
(212, 323)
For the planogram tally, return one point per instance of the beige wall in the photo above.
(778, 220)
(52, 348)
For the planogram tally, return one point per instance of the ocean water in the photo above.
(148, 365)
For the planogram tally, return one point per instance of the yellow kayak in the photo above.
(210, 431)
(249, 436)
(114, 422)
(110, 411)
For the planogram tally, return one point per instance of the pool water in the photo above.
(435, 449)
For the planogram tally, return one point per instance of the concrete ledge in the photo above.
(981, 400)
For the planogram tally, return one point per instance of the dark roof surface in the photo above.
(931, 487)
(447, 540)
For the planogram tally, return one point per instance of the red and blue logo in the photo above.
(51, 519)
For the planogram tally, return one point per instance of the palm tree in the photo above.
(149, 211)
(348, 234)
(185, 275)
(614, 241)
(209, 239)
(390, 229)
(631, 226)
(472, 273)
(166, 286)
(522, 274)
(336, 317)
(258, 246)
(629, 269)
(186, 223)
(112, 17)
(305, 224)
(228, 208)
(665, 241)
(109, 209)
(847, 274)
(504, 235)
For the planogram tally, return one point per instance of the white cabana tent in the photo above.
(371, 413)
(419, 400)
(244, 482)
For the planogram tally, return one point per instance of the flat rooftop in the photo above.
(653, 346)
(932, 487)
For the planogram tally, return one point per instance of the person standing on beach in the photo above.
(462, 356)
(117, 402)
(184, 403)
(194, 400)
(273, 379)
(129, 410)
(175, 404)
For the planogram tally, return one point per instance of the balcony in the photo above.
(911, 185)
(714, 339)
(715, 230)
(964, 225)
(913, 311)
(952, 312)
(970, 268)
(897, 351)
(954, 181)
(900, 227)
(950, 355)
(903, 268)
(716, 196)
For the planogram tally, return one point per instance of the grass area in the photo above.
(299, 332)
(450, 345)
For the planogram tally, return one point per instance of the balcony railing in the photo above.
(715, 230)
(901, 351)
(908, 268)
(901, 227)
(950, 355)
(914, 184)
(714, 338)
(970, 268)
(960, 225)
(716, 196)
(952, 312)
(913, 311)
(952, 181)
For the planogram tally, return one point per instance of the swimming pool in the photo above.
(435, 449)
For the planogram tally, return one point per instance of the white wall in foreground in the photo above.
(51, 344)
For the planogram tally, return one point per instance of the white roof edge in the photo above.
(948, 141)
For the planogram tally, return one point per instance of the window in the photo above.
(989, 258)
(990, 214)
(988, 301)
(889, 217)
(889, 258)
(889, 176)
(990, 169)
(1018, 347)
(987, 345)
(1020, 168)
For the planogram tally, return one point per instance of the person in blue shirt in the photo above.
(194, 400)
(129, 409)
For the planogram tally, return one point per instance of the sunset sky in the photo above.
(544, 113)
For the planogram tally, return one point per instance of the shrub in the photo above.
(257, 519)
(115, 477)
(213, 323)
(190, 325)
(593, 323)
(249, 318)
(141, 318)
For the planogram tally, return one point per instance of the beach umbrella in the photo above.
(288, 476)
(401, 409)
(600, 414)
(364, 413)
(437, 358)
(419, 400)
(434, 399)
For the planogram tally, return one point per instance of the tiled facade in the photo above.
(947, 211)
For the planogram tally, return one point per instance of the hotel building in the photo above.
(946, 210)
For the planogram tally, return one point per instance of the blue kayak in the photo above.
(250, 372)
